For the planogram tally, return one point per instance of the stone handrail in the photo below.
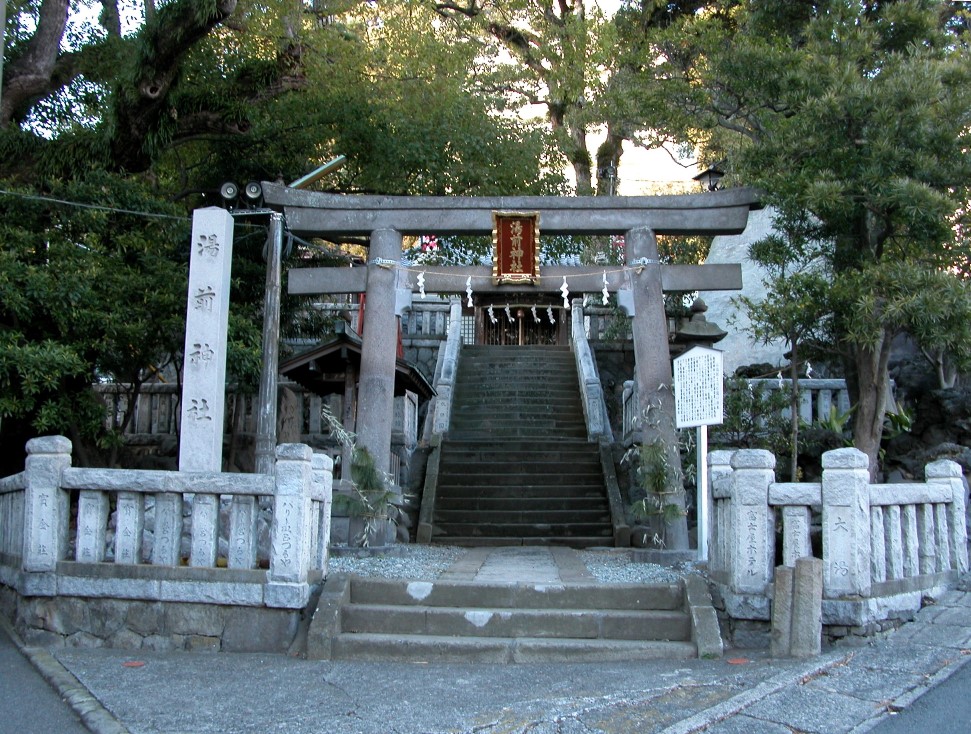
(12, 490)
(591, 392)
(445, 373)
(883, 546)
(816, 399)
(58, 556)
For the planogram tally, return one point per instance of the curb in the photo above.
(88, 708)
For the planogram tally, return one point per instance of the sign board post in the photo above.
(699, 403)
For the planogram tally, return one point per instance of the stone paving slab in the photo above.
(203, 693)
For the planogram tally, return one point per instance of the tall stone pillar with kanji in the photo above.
(206, 328)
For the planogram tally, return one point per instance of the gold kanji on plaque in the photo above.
(515, 238)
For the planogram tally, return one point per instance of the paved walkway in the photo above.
(846, 689)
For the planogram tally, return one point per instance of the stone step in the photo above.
(531, 404)
(505, 488)
(474, 466)
(500, 650)
(523, 432)
(484, 351)
(612, 624)
(593, 502)
(505, 422)
(575, 541)
(505, 453)
(477, 528)
(505, 516)
(375, 590)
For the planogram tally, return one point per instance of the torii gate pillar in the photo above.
(379, 348)
(652, 362)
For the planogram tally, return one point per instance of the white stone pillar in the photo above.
(949, 472)
(753, 523)
(290, 535)
(46, 504)
(375, 411)
(206, 326)
(846, 524)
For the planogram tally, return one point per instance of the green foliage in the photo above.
(659, 480)
(852, 118)
(753, 417)
(87, 294)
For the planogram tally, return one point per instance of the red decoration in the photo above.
(515, 236)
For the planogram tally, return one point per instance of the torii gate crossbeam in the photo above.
(386, 219)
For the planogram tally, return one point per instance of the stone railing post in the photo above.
(846, 524)
(290, 535)
(323, 478)
(752, 522)
(719, 472)
(46, 505)
(949, 472)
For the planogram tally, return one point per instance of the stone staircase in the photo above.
(374, 619)
(516, 467)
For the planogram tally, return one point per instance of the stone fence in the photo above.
(883, 546)
(816, 399)
(155, 543)
(155, 418)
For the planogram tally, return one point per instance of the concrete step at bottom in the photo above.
(445, 649)
(610, 624)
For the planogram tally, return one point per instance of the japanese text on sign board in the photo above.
(698, 388)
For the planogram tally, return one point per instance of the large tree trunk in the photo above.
(872, 382)
(29, 76)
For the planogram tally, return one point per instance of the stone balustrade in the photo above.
(591, 392)
(816, 399)
(60, 537)
(155, 418)
(440, 410)
(883, 546)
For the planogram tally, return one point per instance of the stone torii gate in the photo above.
(388, 286)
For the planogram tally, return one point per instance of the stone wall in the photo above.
(150, 625)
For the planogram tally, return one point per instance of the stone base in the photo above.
(64, 621)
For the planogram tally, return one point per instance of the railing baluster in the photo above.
(92, 525)
(129, 527)
(894, 542)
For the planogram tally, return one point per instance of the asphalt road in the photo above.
(28, 705)
(944, 709)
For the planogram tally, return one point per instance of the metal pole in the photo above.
(702, 482)
(266, 419)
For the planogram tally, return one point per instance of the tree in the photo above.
(797, 308)
(87, 295)
(855, 113)
(150, 113)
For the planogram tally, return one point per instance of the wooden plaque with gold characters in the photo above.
(515, 238)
